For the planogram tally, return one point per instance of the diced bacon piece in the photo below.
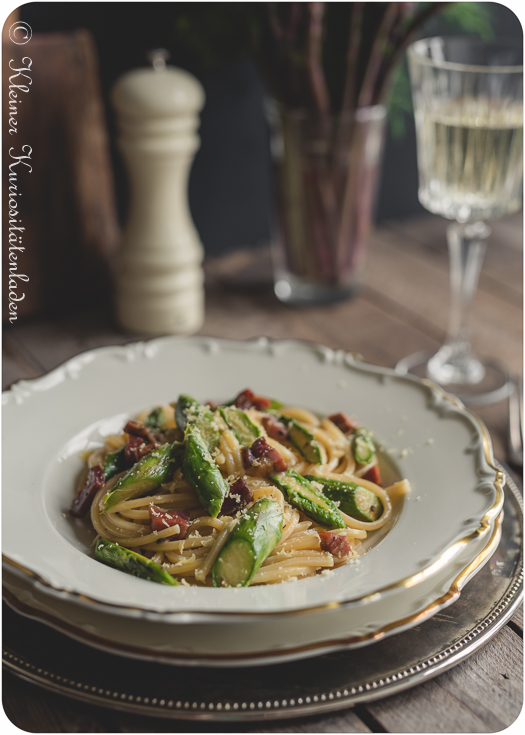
(267, 460)
(146, 449)
(337, 545)
(247, 457)
(84, 498)
(213, 404)
(374, 475)
(343, 422)
(136, 448)
(238, 498)
(132, 445)
(162, 519)
(244, 399)
(247, 399)
(135, 428)
(261, 403)
(274, 428)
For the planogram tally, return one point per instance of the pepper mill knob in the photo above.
(159, 279)
(158, 57)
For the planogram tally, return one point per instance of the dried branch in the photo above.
(344, 128)
(296, 12)
(420, 18)
(356, 21)
(285, 39)
(403, 37)
(366, 95)
(315, 61)
(275, 23)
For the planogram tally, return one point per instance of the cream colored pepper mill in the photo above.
(159, 274)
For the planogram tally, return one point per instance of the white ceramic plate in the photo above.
(440, 447)
(259, 642)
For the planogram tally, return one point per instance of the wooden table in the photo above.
(401, 308)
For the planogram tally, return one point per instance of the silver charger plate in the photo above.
(324, 684)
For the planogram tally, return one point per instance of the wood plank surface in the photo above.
(502, 259)
(483, 694)
(404, 282)
(400, 308)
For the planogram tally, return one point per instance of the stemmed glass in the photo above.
(468, 104)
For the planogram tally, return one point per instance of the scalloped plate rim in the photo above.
(73, 366)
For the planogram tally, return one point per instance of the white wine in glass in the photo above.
(468, 105)
(471, 159)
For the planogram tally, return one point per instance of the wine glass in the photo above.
(468, 106)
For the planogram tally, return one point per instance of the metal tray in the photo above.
(327, 683)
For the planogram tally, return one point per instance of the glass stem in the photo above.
(466, 245)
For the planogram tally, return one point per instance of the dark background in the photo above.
(230, 184)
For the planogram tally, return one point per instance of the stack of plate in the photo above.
(442, 533)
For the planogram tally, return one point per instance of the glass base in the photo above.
(292, 290)
(449, 366)
(495, 385)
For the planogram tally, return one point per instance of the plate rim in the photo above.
(325, 701)
(453, 592)
(22, 389)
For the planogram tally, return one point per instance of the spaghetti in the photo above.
(189, 548)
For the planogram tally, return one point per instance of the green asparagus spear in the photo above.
(114, 463)
(156, 419)
(202, 472)
(244, 429)
(252, 540)
(302, 439)
(189, 411)
(147, 474)
(131, 562)
(353, 499)
(300, 493)
(363, 445)
(183, 404)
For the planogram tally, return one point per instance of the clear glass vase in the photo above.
(326, 174)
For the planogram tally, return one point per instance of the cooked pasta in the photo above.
(175, 529)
